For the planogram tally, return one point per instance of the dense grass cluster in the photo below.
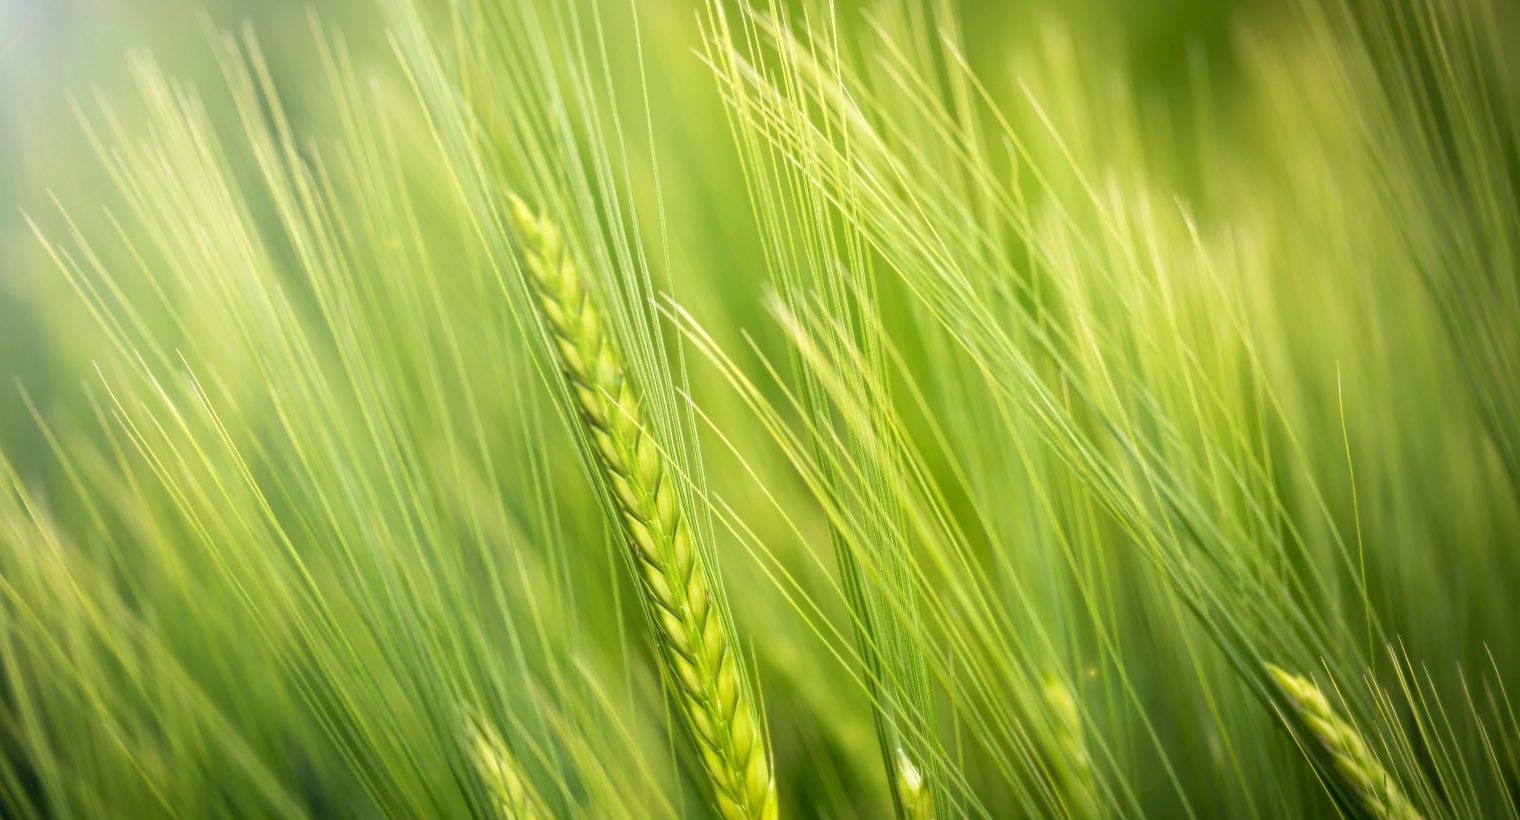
(732, 408)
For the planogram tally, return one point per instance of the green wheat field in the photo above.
(760, 409)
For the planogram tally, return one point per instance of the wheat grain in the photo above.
(503, 777)
(1076, 764)
(691, 630)
(1373, 786)
(912, 793)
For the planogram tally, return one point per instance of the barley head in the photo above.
(1075, 765)
(502, 775)
(912, 793)
(694, 641)
(1373, 786)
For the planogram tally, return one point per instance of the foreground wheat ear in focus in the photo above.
(693, 637)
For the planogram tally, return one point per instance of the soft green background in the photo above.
(62, 52)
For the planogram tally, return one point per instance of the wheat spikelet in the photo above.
(502, 775)
(1373, 786)
(1076, 765)
(912, 793)
(691, 633)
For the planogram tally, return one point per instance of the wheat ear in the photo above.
(912, 792)
(691, 631)
(1373, 786)
(502, 775)
(1072, 745)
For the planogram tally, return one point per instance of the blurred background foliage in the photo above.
(64, 56)
(1179, 61)
(58, 50)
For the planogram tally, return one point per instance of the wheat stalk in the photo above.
(503, 776)
(1373, 786)
(690, 628)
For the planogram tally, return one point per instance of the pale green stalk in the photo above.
(691, 631)
(1374, 788)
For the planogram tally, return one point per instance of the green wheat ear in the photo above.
(1374, 787)
(1072, 745)
(502, 775)
(912, 793)
(691, 632)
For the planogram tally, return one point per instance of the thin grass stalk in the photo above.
(690, 630)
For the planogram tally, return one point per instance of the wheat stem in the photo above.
(1373, 786)
(691, 631)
